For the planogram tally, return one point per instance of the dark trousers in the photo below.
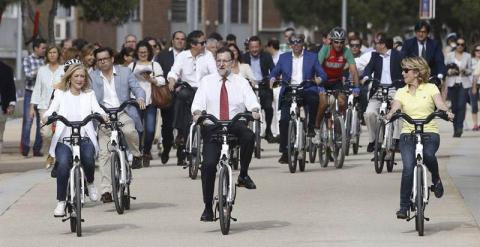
(458, 96)
(211, 155)
(310, 102)
(167, 127)
(431, 142)
(27, 126)
(183, 116)
(266, 100)
(149, 116)
(63, 156)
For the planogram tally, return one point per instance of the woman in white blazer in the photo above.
(74, 100)
(49, 74)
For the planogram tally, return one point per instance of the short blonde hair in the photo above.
(419, 65)
(65, 83)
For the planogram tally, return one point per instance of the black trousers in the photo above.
(167, 127)
(211, 155)
(182, 116)
(266, 100)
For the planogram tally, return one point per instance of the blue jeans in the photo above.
(149, 116)
(431, 142)
(458, 96)
(27, 126)
(63, 156)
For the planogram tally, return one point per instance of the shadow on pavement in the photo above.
(434, 228)
(255, 226)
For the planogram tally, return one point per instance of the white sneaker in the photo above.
(92, 192)
(60, 209)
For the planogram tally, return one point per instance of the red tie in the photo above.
(224, 101)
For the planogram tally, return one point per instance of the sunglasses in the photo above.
(296, 41)
(199, 43)
(477, 50)
(461, 44)
(406, 70)
(339, 42)
(355, 45)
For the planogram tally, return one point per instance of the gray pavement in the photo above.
(353, 206)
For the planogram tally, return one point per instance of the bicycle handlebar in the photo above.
(440, 114)
(132, 102)
(248, 116)
(74, 124)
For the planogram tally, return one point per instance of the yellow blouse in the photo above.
(418, 106)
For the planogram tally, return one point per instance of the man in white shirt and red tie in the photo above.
(224, 95)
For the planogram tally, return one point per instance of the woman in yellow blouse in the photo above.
(418, 99)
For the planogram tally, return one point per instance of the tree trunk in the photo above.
(51, 22)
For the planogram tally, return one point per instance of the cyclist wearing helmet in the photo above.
(333, 58)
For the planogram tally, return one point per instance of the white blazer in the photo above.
(88, 104)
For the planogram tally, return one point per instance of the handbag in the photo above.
(161, 96)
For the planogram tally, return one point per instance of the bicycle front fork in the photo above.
(424, 180)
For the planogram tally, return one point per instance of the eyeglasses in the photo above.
(461, 44)
(202, 43)
(339, 42)
(355, 45)
(223, 61)
(406, 70)
(477, 50)
(296, 41)
(103, 60)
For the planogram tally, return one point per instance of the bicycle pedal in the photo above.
(411, 218)
(82, 220)
(185, 167)
(427, 219)
(63, 220)
(215, 219)
(234, 219)
(133, 197)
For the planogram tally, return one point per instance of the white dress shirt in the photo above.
(43, 89)
(240, 95)
(386, 77)
(110, 98)
(192, 69)
(297, 69)
(420, 47)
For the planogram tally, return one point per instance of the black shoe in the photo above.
(438, 189)
(53, 173)
(457, 133)
(283, 159)
(164, 157)
(246, 182)
(276, 139)
(37, 154)
(137, 163)
(311, 132)
(269, 137)
(402, 214)
(371, 147)
(106, 197)
(397, 145)
(146, 160)
(207, 215)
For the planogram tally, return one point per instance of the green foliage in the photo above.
(117, 11)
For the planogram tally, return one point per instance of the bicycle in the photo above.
(226, 190)
(352, 123)
(76, 181)
(332, 138)
(384, 147)
(121, 171)
(420, 191)
(296, 150)
(256, 127)
(193, 150)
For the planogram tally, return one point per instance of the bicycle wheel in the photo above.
(224, 208)
(292, 152)
(391, 161)
(73, 220)
(196, 153)
(312, 150)
(378, 152)
(234, 157)
(420, 218)
(302, 151)
(323, 149)
(78, 200)
(348, 130)
(258, 140)
(340, 142)
(356, 143)
(117, 188)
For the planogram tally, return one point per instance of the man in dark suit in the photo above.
(7, 97)
(295, 67)
(423, 46)
(384, 55)
(166, 59)
(262, 63)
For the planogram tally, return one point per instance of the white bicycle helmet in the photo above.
(70, 62)
(337, 33)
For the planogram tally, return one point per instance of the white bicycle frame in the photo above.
(71, 180)
(190, 139)
(114, 140)
(351, 105)
(420, 165)
(299, 125)
(224, 153)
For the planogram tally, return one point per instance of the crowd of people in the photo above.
(212, 74)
